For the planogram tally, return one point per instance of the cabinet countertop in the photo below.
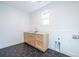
(37, 32)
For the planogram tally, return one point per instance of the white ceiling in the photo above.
(27, 6)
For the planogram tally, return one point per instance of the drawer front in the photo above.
(28, 34)
(39, 37)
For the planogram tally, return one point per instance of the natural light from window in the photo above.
(45, 17)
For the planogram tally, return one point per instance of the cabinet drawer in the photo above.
(39, 37)
(28, 34)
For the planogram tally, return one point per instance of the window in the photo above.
(45, 17)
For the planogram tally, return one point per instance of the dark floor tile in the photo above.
(25, 50)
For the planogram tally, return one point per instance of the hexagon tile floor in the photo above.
(25, 50)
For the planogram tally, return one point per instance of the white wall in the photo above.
(64, 22)
(13, 23)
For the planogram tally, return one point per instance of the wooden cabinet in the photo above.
(39, 41)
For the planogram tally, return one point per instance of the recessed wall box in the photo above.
(75, 36)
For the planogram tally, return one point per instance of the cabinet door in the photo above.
(30, 40)
(39, 42)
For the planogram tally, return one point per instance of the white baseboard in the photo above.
(66, 53)
(69, 54)
(10, 45)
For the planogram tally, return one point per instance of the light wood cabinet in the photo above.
(39, 41)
